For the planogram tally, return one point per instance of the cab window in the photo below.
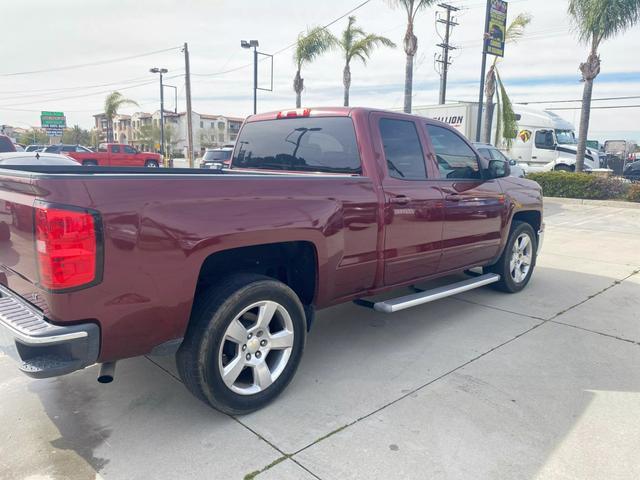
(115, 148)
(455, 157)
(402, 149)
(128, 149)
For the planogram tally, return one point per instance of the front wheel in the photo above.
(151, 164)
(244, 343)
(518, 259)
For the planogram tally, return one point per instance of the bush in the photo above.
(633, 194)
(579, 185)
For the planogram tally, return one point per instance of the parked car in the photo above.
(6, 145)
(19, 147)
(34, 148)
(632, 171)
(66, 149)
(116, 154)
(226, 268)
(490, 152)
(35, 158)
(213, 156)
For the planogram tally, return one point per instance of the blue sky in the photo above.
(543, 66)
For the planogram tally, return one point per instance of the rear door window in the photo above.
(308, 144)
(115, 149)
(402, 149)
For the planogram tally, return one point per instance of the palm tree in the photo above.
(514, 32)
(411, 7)
(112, 104)
(355, 43)
(309, 46)
(596, 21)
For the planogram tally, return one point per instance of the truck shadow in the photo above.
(356, 362)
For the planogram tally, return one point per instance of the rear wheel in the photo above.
(151, 164)
(244, 343)
(518, 259)
(563, 168)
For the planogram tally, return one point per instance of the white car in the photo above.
(36, 158)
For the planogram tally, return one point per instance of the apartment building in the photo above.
(141, 129)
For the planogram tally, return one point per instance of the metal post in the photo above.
(162, 118)
(255, 79)
(483, 70)
(189, 111)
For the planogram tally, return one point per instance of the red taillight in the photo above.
(300, 112)
(66, 247)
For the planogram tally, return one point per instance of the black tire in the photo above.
(214, 310)
(151, 164)
(502, 267)
(90, 163)
(563, 168)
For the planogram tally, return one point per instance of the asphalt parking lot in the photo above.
(544, 384)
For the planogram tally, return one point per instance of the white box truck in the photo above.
(544, 141)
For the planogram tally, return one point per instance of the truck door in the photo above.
(132, 157)
(413, 208)
(117, 157)
(544, 153)
(475, 211)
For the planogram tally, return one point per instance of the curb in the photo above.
(593, 203)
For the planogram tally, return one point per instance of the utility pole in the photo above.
(187, 80)
(483, 70)
(446, 47)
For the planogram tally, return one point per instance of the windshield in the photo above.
(213, 155)
(566, 137)
(320, 144)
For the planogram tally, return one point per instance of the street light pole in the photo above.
(254, 44)
(483, 69)
(161, 71)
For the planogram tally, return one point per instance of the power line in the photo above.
(324, 27)
(91, 64)
(632, 97)
(596, 108)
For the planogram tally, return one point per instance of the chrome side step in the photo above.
(426, 296)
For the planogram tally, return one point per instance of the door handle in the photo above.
(400, 199)
(453, 197)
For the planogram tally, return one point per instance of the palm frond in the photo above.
(311, 44)
(507, 117)
(598, 20)
(516, 28)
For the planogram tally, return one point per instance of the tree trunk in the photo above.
(590, 70)
(298, 86)
(346, 80)
(408, 84)
(410, 48)
(584, 125)
(489, 90)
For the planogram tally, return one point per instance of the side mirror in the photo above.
(498, 169)
(512, 162)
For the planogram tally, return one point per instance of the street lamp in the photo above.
(161, 71)
(254, 44)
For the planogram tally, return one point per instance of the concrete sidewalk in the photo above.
(542, 384)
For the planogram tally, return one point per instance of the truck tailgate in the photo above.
(18, 269)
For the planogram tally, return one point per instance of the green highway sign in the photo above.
(54, 120)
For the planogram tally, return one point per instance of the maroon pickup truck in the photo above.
(225, 268)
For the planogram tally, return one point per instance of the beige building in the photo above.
(208, 130)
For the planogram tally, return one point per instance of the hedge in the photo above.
(584, 185)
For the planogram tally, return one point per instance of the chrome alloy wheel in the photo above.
(521, 258)
(256, 347)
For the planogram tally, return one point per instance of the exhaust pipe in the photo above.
(107, 371)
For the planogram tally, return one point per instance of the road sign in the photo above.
(497, 28)
(55, 120)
